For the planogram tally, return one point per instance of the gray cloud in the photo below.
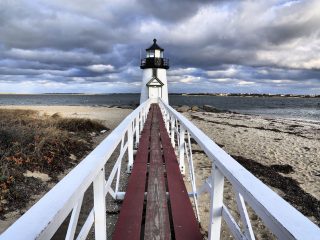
(213, 46)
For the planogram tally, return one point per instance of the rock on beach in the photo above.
(183, 108)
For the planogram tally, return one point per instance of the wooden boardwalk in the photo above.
(157, 215)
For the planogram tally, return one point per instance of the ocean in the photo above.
(284, 107)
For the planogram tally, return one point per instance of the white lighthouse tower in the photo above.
(154, 80)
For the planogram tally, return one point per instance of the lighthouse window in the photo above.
(151, 53)
(157, 53)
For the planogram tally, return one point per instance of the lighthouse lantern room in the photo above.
(154, 79)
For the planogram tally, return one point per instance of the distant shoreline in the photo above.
(248, 95)
(287, 106)
(184, 94)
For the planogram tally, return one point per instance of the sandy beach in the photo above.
(282, 153)
(111, 117)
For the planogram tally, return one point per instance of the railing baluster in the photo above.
(137, 131)
(144, 115)
(192, 175)
(216, 203)
(119, 169)
(99, 201)
(122, 141)
(130, 149)
(233, 226)
(181, 149)
(118, 178)
(172, 131)
(74, 220)
(140, 122)
(177, 133)
(167, 118)
(115, 171)
(244, 216)
(86, 227)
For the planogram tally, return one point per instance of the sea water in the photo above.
(285, 107)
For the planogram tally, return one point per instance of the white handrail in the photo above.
(43, 219)
(278, 215)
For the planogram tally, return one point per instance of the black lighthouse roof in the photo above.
(154, 46)
(154, 59)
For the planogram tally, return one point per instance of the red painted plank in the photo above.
(185, 224)
(157, 220)
(143, 150)
(130, 218)
(129, 221)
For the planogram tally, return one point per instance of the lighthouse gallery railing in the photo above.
(45, 217)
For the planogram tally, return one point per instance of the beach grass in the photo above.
(30, 142)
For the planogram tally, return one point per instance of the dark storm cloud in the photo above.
(172, 11)
(224, 45)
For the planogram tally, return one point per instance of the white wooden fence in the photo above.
(45, 217)
(283, 220)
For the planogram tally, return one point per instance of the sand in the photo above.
(111, 117)
(282, 153)
(285, 152)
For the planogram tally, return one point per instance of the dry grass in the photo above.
(37, 143)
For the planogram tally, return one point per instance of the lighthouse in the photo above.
(154, 79)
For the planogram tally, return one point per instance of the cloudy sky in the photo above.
(262, 46)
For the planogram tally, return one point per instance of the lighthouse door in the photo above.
(154, 85)
(154, 92)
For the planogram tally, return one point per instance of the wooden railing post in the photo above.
(181, 149)
(100, 221)
(140, 122)
(137, 131)
(142, 116)
(216, 203)
(130, 149)
(145, 115)
(172, 131)
(167, 118)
